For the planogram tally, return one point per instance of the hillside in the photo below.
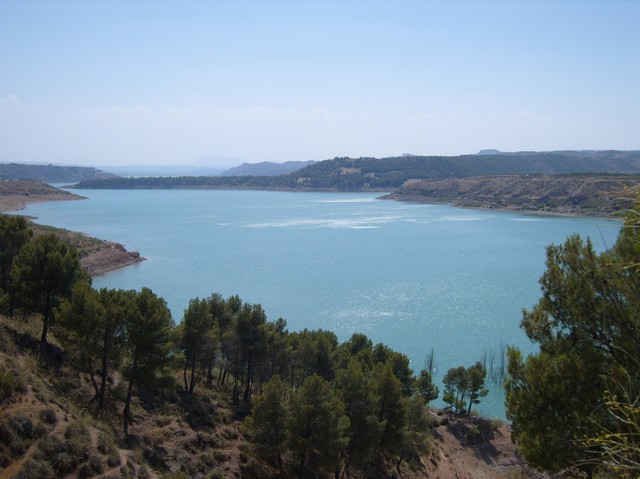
(266, 168)
(50, 173)
(15, 194)
(48, 430)
(599, 195)
(362, 174)
(97, 256)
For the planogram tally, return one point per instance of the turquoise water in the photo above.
(413, 276)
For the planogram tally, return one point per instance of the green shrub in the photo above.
(78, 440)
(473, 434)
(23, 426)
(16, 434)
(143, 473)
(113, 459)
(220, 456)
(36, 469)
(48, 416)
(64, 463)
(91, 468)
(65, 456)
(106, 445)
(10, 384)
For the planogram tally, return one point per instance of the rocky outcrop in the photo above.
(109, 257)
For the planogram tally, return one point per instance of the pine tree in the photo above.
(317, 428)
(43, 274)
(268, 421)
(197, 326)
(148, 332)
(360, 404)
(476, 375)
(390, 410)
(80, 319)
(425, 388)
(14, 234)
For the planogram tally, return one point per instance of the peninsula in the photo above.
(96, 256)
(584, 195)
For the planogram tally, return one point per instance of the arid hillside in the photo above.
(598, 195)
(47, 428)
(16, 194)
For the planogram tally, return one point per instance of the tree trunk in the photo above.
(127, 405)
(184, 374)
(210, 372)
(43, 336)
(247, 391)
(127, 409)
(96, 389)
(105, 368)
(192, 384)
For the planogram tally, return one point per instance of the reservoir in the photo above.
(416, 277)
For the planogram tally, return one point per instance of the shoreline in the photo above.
(393, 196)
(97, 256)
(12, 203)
(417, 199)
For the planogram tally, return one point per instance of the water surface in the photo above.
(413, 276)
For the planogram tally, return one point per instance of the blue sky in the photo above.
(115, 83)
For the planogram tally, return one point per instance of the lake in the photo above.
(415, 277)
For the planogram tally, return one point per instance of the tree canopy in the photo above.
(568, 402)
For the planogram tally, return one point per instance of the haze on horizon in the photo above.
(150, 83)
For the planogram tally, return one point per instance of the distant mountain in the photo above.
(266, 168)
(489, 152)
(362, 174)
(51, 173)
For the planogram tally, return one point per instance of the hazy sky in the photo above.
(110, 83)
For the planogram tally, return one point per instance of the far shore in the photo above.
(418, 199)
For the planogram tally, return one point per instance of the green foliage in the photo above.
(321, 406)
(197, 339)
(14, 234)
(417, 434)
(476, 376)
(268, 422)
(550, 398)
(10, 384)
(317, 427)
(425, 388)
(62, 456)
(455, 387)
(399, 364)
(356, 390)
(148, 332)
(43, 274)
(463, 387)
(390, 409)
(588, 329)
(92, 327)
